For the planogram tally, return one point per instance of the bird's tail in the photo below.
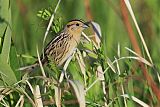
(29, 68)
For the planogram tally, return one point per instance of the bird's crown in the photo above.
(76, 24)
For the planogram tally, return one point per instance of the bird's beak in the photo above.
(86, 25)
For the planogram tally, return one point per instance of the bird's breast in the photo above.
(70, 47)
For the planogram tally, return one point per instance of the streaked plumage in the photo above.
(61, 47)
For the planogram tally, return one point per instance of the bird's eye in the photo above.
(77, 24)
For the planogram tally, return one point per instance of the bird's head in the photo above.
(76, 26)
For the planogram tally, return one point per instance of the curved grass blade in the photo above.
(9, 77)
(79, 91)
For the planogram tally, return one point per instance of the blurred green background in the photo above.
(28, 29)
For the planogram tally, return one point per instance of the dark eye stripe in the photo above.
(70, 25)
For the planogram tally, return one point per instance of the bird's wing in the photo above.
(57, 48)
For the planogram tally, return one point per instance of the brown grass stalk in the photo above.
(52, 102)
(88, 10)
(136, 47)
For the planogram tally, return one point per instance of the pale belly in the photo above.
(71, 47)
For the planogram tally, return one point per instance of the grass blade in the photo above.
(79, 91)
(37, 96)
(9, 77)
(138, 29)
(136, 100)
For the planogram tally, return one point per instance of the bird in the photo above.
(60, 48)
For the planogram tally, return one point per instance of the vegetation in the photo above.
(115, 65)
